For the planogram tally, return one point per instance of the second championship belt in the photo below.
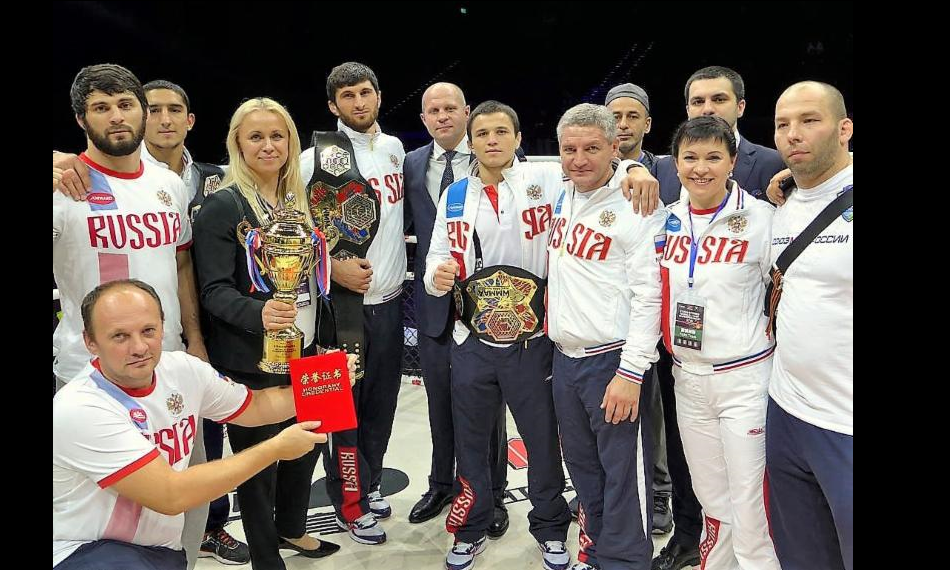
(501, 303)
(346, 209)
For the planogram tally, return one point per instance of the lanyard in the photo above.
(693, 246)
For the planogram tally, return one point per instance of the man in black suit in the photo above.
(720, 91)
(428, 171)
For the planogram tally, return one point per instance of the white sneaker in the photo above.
(554, 554)
(364, 530)
(583, 566)
(379, 505)
(462, 556)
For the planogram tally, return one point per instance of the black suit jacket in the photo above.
(755, 166)
(234, 337)
(432, 313)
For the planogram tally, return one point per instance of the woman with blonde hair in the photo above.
(263, 177)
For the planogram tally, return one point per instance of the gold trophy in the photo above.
(286, 254)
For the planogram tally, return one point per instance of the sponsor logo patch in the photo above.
(100, 198)
(673, 223)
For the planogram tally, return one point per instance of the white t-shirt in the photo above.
(188, 173)
(97, 442)
(499, 232)
(813, 369)
(130, 226)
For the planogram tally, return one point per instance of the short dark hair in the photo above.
(347, 74)
(489, 107)
(715, 72)
(163, 84)
(705, 128)
(109, 78)
(90, 300)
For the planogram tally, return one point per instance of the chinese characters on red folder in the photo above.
(322, 391)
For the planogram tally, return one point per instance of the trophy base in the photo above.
(274, 367)
(280, 347)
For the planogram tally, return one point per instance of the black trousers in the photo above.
(354, 465)
(607, 464)
(520, 374)
(274, 502)
(106, 554)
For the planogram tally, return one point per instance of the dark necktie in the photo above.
(448, 176)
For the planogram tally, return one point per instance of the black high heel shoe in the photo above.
(325, 549)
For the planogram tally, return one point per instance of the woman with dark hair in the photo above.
(714, 270)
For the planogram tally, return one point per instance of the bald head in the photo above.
(445, 114)
(443, 89)
(812, 131)
(827, 95)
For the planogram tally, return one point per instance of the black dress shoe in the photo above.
(429, 506)
(499, 523)
(325, 549)
(675, 556)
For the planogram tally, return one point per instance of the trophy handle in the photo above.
(311, 265)
(256, 256)
(243, 229)
(256, 269)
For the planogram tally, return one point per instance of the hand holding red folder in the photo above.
(322, 391)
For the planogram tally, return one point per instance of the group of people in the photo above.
(541, 287)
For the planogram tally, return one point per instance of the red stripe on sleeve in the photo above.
(128, 469)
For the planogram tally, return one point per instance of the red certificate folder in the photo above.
(322, 391)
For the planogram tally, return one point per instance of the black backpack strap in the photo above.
(773, 293)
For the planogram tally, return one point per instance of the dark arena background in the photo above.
(541, 58)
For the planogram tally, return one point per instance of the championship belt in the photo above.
(501, 303)
(345, 208)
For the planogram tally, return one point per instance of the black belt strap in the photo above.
(346, 209)
(773, 292)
